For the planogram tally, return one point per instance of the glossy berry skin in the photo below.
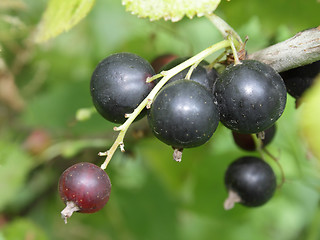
(86, 185)
(118, 85)
(183, 114)
(206, 77)
(251, 96)
(246, 142)
(298, 80)
(252, 179)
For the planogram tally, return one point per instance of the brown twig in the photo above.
(301, 49)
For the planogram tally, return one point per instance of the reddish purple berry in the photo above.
(161, 61)
(246, 142)
(85, 188)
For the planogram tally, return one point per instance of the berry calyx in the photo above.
(85, 188)
(250, 181)
(251, 96)
(118, 85)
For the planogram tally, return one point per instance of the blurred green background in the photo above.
(43, 85)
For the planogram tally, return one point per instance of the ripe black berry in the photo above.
(84, 187)
(183, 114)
(299, 79)
(206, 77)
(251, 96)
(118, 85)
(246, 142)
(250, 181)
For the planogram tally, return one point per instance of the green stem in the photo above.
(234, 51)
(148, 100)
(262, 150)
(191, 70)
(154, 77)
(283, 178)
(258, 142)
(225, 29)
(211, 65)
(228, 33)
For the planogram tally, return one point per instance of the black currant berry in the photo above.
(299, 79)
(249, 181)
(251, 96)
(206, 77)
(118, 85)
(159, 62)
(246, 142)
(183, 114)
(84, 187)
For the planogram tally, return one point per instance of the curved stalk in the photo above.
(225, 29)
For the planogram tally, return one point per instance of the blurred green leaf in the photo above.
(61, 16)
(173, 10)
(12, 4)
(38, 182)
(56, 109)
(71, 148)
(257, 38)
(129, 171)
(23, 229)
(310, 118)
(296, 14)
(14, 168)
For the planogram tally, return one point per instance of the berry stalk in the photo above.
(234, 52)
(262, 150)
(225, 29)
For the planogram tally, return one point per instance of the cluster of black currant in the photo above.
(248, 97)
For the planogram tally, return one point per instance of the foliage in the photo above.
(152, 196)
(170, 9)
(60, 16)
(309, 118)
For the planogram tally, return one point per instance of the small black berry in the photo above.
(183, 114)
(118, 85)
(251, 96)
(299, 79)
(249, 181)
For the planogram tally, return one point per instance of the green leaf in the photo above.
(14, 168)
(310, 118)
(296, 14)
(23, 229)
(173, 10)
(61, 16)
